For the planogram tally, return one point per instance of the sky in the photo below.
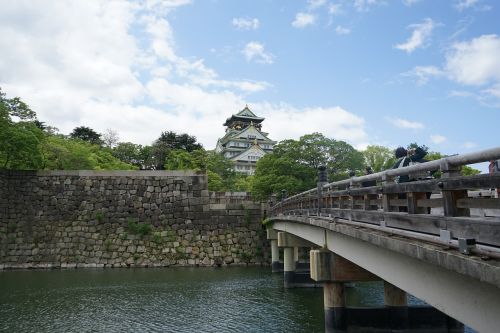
(364, 71)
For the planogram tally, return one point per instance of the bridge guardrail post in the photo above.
(386, 198)
(412, 200)
(450, 197)
(322, 181)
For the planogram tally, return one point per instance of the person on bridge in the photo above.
(408, 158)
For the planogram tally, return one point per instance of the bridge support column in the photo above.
(275, 257)
(334, 304)
(333, 270)
(396, 302)
(276, 265)
(296, 255)
(292, 277)
(289, 266)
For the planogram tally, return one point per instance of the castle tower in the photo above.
(244, 142)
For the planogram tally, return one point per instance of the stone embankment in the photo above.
(51, 219)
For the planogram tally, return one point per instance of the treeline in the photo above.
(27, 143)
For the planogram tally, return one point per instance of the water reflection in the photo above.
(156, 300)
(166, 300)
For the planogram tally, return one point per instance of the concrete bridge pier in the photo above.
(288, 267)
(395, 300)
(276, 265)
(296, 256)
(334, 304)
(291, 276)
(333, 271)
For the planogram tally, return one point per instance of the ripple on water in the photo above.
(155, 300)
(179, 300)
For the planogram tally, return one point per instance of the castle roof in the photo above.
(245, 115)
(253, 148)
(239, 135)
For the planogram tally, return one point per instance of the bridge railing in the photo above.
(408, 206)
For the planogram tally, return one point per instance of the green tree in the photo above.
(69, 154)
(128, 152)
(293, 164)
(147, 158)
(465, 170)
(315, 149)
(242, 183)
(20, 140)
(221, 177)
(414, 145)
(86, 134)
(380, 158)
(170, 141)
(275, 173)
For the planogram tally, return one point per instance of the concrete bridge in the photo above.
(432, 238)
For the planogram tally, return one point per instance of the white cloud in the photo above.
(419, 37)
(339, 30)
(246, 23)
(87, 67)
(410, 2)
(335, 9)
(437, 139)
(493, 91)
(165, 4)
(476, 62)
(254, 51)
(364, 5)
(406, 124)
(313, 4)
(92, 78)
(341, 124)
(464, 4)
(303, 20)
(469, 145)
(422, 74)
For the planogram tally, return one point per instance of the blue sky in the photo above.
(364, 71)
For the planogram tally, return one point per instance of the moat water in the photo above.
(235, 299)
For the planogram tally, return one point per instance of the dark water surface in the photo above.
(156, 300)
(235, 299)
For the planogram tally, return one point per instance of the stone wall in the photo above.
(124, 218)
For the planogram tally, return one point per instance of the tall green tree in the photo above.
(380, 158)
(221, 176)
(86, 134)
(61, 153)
(129, 152)
(294, 163)
(170, 141)
(275, 173)
(20, 138)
